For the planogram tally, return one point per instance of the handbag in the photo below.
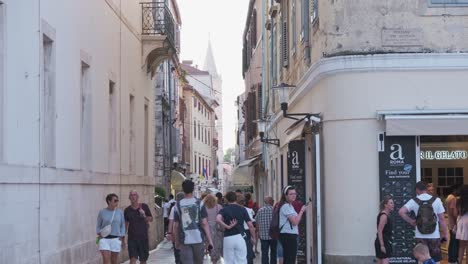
(106, 230)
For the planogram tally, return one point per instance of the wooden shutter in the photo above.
(284, 44)
(260, 105)
(313, 10)
(253, 29)
(284, 34)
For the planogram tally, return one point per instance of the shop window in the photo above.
(426, 175)
(447, 177)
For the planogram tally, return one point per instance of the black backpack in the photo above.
(170, 207)
(275, 229)
(426, 220)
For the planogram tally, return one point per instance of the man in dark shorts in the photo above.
(434, 239)
(137, 219)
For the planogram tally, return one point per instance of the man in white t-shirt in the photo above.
(166, 209)
(434, 239)
(190, 218)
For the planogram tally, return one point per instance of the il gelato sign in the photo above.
(444, 155)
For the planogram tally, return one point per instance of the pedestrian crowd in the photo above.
(426, 213)
(229, 226)
(225, 227)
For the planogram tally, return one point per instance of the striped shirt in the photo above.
(263, 219)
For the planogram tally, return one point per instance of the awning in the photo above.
(176, 179)
(242, 175)
(249, 162)
(426, 125)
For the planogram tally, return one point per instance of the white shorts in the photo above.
(111, 244)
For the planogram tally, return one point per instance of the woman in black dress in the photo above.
(383, 244)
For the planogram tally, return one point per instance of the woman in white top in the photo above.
(288, 222)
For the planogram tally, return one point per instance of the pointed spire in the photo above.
(209, 64)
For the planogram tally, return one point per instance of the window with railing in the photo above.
(157, 20)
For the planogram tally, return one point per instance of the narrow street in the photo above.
(342, 112)
(164, 254)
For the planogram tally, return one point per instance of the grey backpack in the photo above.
(426, 220)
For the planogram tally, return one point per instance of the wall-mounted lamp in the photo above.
(261, 133)
(283, 94)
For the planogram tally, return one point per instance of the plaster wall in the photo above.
(52, 210)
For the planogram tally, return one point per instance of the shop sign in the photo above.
(397, 170)
(296, 178)
(444, 155)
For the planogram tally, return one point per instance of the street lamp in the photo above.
(283, 94)
(261, 128)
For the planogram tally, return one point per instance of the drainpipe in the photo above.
(263, 74)
(170, 83)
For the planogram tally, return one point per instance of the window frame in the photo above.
(314, 11)
(293, 26)
(86, 116)
(446, 3)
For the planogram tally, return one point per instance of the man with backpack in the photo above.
(429, 212)
(190, 218)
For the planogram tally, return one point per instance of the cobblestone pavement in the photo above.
(164, 254)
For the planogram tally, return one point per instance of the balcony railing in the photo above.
(157, 20)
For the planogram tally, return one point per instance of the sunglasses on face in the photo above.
(115, 201)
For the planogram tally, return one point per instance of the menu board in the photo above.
(397, 169)
(296, 178)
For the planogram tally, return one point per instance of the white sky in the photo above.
(221, 21)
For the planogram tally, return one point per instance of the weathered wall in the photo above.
(52, 210)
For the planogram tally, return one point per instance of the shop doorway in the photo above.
(444, 162)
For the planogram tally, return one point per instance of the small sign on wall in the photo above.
(402, 37)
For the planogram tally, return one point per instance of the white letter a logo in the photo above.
(397, 152)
